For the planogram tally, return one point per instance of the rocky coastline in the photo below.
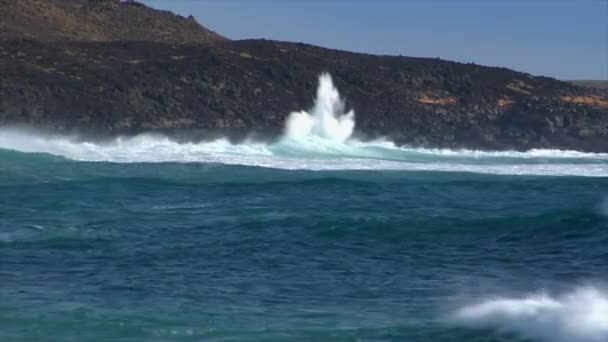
(207, 88)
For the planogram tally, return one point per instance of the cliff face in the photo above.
(235, 88)
(250, 86)
(97, 20)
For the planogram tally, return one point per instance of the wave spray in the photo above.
(327, 119)
(318, 139)
(578, 316)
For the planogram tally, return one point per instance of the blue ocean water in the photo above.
(316, 237)
(102, 251)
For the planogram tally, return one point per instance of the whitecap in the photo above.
(319, 139)
(577, 316)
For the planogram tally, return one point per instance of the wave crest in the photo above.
(317, 140)
(578, 316)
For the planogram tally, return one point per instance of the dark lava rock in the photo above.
(239, 87)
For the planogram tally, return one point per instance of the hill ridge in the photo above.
(97, 20)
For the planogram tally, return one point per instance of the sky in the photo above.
(558, 38)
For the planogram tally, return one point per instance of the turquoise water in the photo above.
(165, 251)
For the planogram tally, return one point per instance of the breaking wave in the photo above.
(578, 316)
(317, 140)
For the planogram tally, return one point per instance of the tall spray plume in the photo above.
(327, 119)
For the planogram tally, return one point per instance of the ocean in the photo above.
(314, 237)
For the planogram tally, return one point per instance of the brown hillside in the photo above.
(97, 20)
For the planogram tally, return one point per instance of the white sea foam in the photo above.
(327, 120)
(317, 140)
(578, 316)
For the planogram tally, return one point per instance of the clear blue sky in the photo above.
(558, 38)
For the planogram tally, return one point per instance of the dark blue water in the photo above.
(210, 252)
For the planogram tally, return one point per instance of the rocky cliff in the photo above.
(236, 88)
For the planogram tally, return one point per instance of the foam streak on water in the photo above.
(320, 139)
(579, 316)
